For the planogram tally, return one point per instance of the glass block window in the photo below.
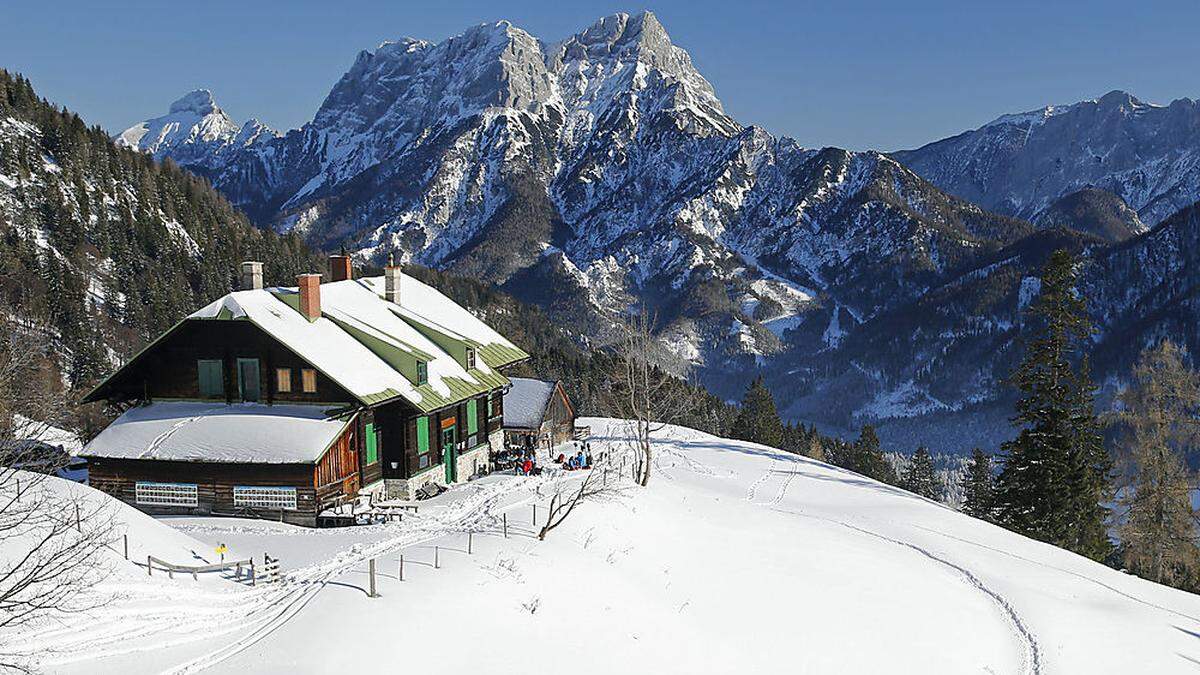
(283, 380)
(165, 494)
(263, 497)
(308, 378)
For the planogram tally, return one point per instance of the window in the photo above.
(422, 373)
(248, 383)
(308, 380)
(165, 494)
(283, 380)
(262, 497)
(212, 382)
(470, 358)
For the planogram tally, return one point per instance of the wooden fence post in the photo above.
(505, 525)
(436, 564)
(534, 514)
(469, 543)
(77, 527)
(401, 567)
(371, 574)
(149, 569)
(126, 538)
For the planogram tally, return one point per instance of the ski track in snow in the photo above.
(1031, 651)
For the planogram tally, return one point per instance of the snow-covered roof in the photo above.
(525, 404)
(216, 432)
(371, 346)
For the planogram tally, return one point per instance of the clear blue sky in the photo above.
(883, 75)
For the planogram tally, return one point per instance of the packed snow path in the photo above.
(736, 558)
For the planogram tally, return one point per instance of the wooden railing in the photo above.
(194, 570)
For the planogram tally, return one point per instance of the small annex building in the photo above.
(537, 414)
(283, 402)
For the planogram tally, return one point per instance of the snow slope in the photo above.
(737, 558)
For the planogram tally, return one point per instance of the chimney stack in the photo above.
(310, 295)
(340, 268)
(252, 278)
(391, 281)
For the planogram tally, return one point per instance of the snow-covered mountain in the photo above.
(601, 171)
(604, 162)
(1146, 154)
(195, 132)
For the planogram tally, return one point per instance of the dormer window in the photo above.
(470, 358)
(422, 373)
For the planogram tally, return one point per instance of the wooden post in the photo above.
(401, 567)
(436, 564)
(535, 514)
(126, 538)
(149, 569)
(253, 581)
(505, 525)
(469, 543)
(77, 527)
(371, 574)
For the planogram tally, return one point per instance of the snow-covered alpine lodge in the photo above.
(283, 402)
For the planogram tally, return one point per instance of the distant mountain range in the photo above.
(601, 172)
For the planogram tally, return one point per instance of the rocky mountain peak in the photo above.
(198, 101)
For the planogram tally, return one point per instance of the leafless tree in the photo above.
(51, 536)
(594, 483)
(1158, 417)
(642, 393)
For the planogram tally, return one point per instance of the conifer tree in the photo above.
(1158, 420)
(978, 486)
(920, 477)
(1055, 476)
(866, 457)
(758, 421)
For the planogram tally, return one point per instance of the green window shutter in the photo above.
(472, 416)
(422, 373)
(372, 445)
(422, 434)
(209, 374)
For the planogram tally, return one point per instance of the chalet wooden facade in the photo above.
(283, 402)
(537, 414)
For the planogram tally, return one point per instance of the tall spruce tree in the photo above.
(978, 486)
(920, 477)
(758, 420)
(866, 457)
(1158, 420)
(1055, 477)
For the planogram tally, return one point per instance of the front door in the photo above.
(448, 452)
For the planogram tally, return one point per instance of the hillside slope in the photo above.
(106, 245)
(736, 558)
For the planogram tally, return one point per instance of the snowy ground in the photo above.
(737, 558)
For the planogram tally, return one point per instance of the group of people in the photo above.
(579, 460)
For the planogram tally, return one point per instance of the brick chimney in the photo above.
(310, 295)
(340, 268)
(391, 281)
(252, 278)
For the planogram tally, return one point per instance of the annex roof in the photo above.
(525, 403)
(216, 432)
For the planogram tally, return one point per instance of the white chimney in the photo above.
(252, 276)
(391, 281)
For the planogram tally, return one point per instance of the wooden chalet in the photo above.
(283, 402)
(537, 414)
